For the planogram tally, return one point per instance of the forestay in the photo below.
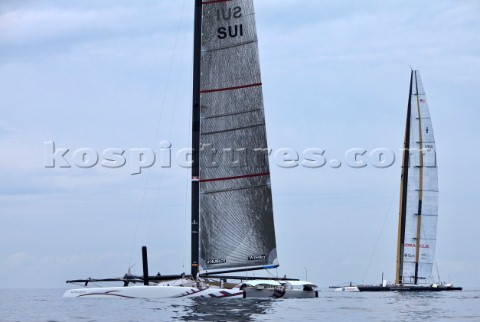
(236, 216)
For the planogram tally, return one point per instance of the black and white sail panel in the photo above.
(421, 213)
(236, 216)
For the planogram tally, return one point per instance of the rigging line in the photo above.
(188, 185)
(186, 225)
(270, 273)
(161, 182)
(187, 182)
(438, 273)
(170, 130)
(380, 234)
(157, 131)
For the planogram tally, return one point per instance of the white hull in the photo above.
(153, 292)
(347, 289)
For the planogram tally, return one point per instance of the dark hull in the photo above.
(395, 288)
(251, 292)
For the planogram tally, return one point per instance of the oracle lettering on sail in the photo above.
(229, 15)
(414, 245)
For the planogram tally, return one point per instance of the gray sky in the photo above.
(117, 74)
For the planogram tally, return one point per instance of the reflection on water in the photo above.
(29, 305)
(413, 306)
(224, 310)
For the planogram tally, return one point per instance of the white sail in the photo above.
(418, 230)
(236, 216)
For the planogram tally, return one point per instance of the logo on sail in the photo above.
(231, 31)
(257, 257)
(216, 261)
(414, 245)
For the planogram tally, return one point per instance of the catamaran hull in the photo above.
(152, 292)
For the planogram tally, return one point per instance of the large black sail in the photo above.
(236, 216)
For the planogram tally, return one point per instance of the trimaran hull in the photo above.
(156, 292)
(153, 292)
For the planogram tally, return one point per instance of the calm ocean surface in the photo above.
(48, 305)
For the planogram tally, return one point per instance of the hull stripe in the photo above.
(109, 293)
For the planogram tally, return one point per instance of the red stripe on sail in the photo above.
(238, 177)
(215, 1)
(229, 88)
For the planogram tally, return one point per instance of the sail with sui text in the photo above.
(236, 214)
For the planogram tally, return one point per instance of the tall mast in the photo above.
(420, 183)
(197, 48)
(403, 191)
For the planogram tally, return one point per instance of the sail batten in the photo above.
(231, 46)
(233, 189)
(230, 114)
(237, 177)
(419, 207)
(235, 198)
(233, 129)
(215, 1)
(229, 88)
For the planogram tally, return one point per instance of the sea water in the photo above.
(48, 305)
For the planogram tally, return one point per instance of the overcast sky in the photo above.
(117, 74)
